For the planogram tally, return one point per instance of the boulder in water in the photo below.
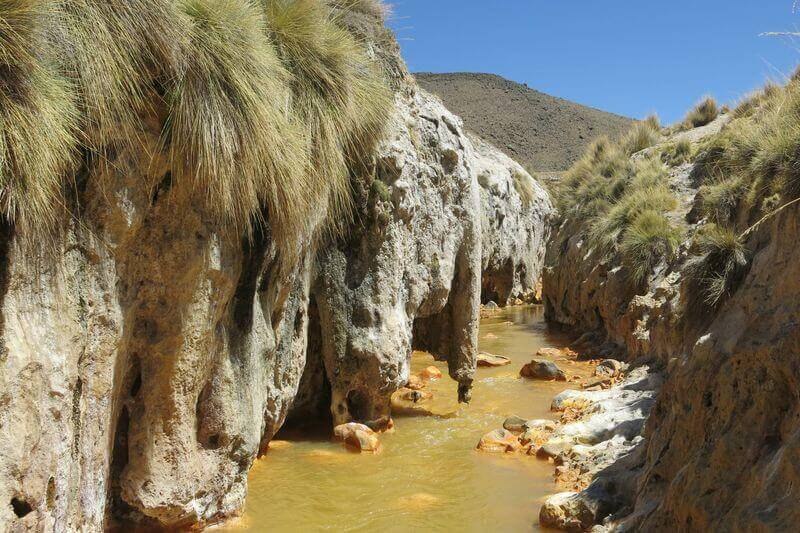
(487, 359)
(609, 368)
(569, 511)
(357, 437)
(431, 373)
(515, 424)
(415, 382)
(544, 370)
(499, 440)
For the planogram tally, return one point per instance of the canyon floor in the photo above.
(428, 474)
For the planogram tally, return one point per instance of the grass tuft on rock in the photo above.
(267, 109)
(337, 93)
(227, 132)
(38, 116)
(705, 112)
(643, 135)
(717, 264)
(649, 239)
(523, 184)
(677, 153)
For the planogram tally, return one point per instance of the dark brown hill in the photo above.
(542, 132)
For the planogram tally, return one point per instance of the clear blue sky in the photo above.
(632, 57)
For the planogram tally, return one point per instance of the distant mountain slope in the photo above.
(540, 131)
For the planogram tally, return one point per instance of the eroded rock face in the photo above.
(718, 450)
(514, 224)
(411, 277)
(151, 357)
(143, 360)
(415, 263)
(723, 437)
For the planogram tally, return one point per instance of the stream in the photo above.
(429, 475)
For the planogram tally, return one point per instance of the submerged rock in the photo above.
(499, 441)
(487, 359)
(431, 373)
(411, 395)
(515, 424)
(415, 382)
(357, 437)
(544, 370)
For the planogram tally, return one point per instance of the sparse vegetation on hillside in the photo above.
(621, 204)
(677, 153)
(703, 113)
(757, 155)
(643, 135)
(267, 106)
(717, 264)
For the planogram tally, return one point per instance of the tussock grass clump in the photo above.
(621, 205)
(227, 132)
(608, 229)
(717, 265)
(523, 184)
(703, 113)
(677, 153)
(719, 200)
(649, 239)
(643, 135)
(337, 94)
(266, 109)
(373, 8)
(38, 116)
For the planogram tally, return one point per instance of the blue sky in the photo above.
(632, 57)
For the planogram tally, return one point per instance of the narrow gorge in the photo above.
(239, 244)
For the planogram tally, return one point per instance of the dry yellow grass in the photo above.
(269, 107)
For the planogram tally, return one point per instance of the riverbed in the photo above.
(429, 475)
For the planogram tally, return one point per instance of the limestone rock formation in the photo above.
(411, 277)
(514, 226)
(719, 447)
(149, 354)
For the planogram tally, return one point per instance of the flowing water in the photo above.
(429, 475)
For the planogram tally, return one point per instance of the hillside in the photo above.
(540, 131)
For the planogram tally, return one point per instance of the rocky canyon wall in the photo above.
(720, 444)
(149, 353)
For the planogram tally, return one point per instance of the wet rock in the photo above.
(598, 384)
(499, 441)
(491, 306)
(555, 353)
(542, 424)
(544, 370)
(535, 436)
(487, 359)
(415, 382)
(568, 511)
(553, 449)
(610, 368)
(410, 395)
(358, 437)
(515, 424)
(431, 373)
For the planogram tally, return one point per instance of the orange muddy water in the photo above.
(429, 475)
